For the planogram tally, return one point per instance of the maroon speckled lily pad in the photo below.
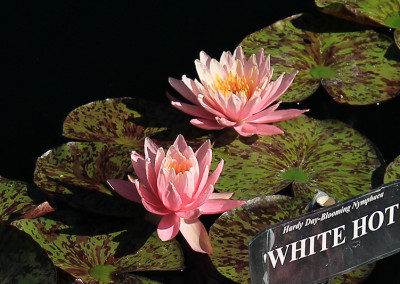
(312, 154)
(377, 12)
(95, 257)
(20, 200)
(392, 171)
(77, 173)
(22, 260)
(356, 67)
(233, 230)
(127, 121)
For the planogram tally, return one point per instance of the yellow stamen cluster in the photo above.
(179, 167)
(233, 84)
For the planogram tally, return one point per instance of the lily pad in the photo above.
(233, 230)
(21, 200)
(22, 260)
(77, 173)
(382, 12)
(100, 258)
(128, 121)
(356, 67)
(311, 154)
(392, 171)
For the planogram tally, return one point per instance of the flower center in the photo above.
(179, 167)
(233, 84)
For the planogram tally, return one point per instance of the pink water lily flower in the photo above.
(235, 92)
(177, 185)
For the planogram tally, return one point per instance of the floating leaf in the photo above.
(392, 171)
(77, 172)
(127, 121)
(98, 258)
(111, 120)
(22, 260)
(382, 12)
(311, 154)
(397, 38)
(233, 230)
(354, 67)
(21, 200)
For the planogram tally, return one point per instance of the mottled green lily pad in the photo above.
(128, 121)
(112, 120)
(233, 230)
(77, 172)
(392, 171)
(21, 200)
(22, 260)
(382, 12)
(101, 257)
(397, 38)
(311, 154)
(356, 67)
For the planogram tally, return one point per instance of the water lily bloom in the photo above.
(177, 186)
(235, 92)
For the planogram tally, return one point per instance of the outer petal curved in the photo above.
(168, 227)
(249, 129)
(193, 110)
(206, 124)
(196, 235)
(181, 88)
(216, 206)
(275, 116)
(126, 189)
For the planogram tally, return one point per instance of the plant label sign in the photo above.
(328, 242)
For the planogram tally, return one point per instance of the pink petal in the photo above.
(196, 235)
(147, 194)
(204, 156)
(181, 88)
(279, 87)
(168, 227)
(193, 110)
(234, 107)
(249, 129)
(278, 115)
(180, 143)
(150, 149)
(212, 179)
(184, 185)
(158, 210)
(206, 124)
(205, 58)
(171, 198)
(225, 122)
(215, 206)
(222, 195)
(190, 214)
(238, 53)
(215, 110)
(139, 166)
(202, 196)
(126, 189)
(159, 158)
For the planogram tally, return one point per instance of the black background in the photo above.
(59, 55)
